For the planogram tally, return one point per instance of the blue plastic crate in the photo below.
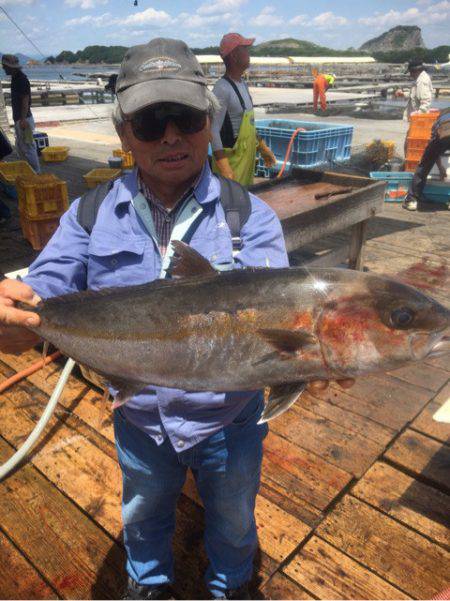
(320, 143)
(397, 184)
(437, 192)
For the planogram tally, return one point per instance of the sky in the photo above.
(56, 25)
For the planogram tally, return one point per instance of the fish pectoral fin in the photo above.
(188, 262)
(281, 397)
(126, 389)
(288, 343)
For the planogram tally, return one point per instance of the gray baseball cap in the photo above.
(164, 70)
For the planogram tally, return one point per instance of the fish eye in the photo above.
(402, 317)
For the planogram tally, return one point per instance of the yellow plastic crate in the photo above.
(38, 232)
(53, 154)
(127, 158)
(42, 196)
(98, 176)
(9, 172)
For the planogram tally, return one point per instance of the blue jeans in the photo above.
(226, 467)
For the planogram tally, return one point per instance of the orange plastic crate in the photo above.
(54, 154)
(42, 196)
(127, 158)
(417, 143)
(38, 231)
(411, 165)
(414, 155)
(421, 124)
(98, 176)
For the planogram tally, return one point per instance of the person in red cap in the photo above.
(234, 140)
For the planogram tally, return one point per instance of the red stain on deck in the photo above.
(425, 275)
(68, 582)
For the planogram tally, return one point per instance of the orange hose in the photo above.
(288, 150)
(28, 371)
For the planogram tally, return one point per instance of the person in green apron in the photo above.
(234, 141)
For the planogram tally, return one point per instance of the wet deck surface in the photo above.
(354, 501)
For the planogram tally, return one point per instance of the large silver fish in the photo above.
(246, 329)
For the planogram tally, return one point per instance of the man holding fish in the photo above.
(164, 346)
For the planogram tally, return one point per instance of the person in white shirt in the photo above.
(421, 92)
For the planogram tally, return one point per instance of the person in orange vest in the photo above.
(321, 84)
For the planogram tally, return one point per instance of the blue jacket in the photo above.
(122, 251)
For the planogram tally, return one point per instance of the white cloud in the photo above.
(299, 20)
(85, 4)
(432, 13)
(328, 20)
(268, 16)
(100, 21)
(219, 7)
(148, 17)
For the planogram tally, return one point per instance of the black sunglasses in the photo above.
(150, 124)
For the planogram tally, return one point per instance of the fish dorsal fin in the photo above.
(188, 262)
(281, 397)
(289, 343)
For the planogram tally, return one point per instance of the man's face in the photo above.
(176, 157)
(7, 69)
(241, 57)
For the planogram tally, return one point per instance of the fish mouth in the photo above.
(441, 347)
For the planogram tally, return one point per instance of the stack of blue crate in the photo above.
(319, 144)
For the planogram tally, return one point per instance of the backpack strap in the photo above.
(237, 207)
(89, 205)
(234, 198)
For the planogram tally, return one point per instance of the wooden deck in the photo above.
(354, 501)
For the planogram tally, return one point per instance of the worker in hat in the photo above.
(421, 92)
(322, 82)
(21, 110)
(234, 141)
(439, 144)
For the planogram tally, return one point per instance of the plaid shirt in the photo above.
(164, 219)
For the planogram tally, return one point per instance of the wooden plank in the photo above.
(329, 574)
(282, 587)
(356, 258)
(427, 425)
(404, 558)
(382, 398)
(302, 475)
(338, 446)
(18, 578)
(422, 456)
(417, 505)
(78, 397)
(279, 532)
(325, 407)
(423, 375)
(300, 509)
(68, 458)
(73, 554)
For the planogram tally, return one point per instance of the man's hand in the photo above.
(320, 385)
(23, 124)
(14, 337)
